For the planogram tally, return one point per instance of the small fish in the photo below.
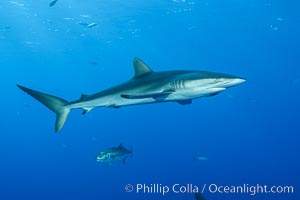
(52, 3)
(68, 18)
(93, 62)
(87, 25)
(91, 25)
(274, 28)
(17, 3)
(114, 154)
(279, 19)
(6, 28)
(85, 16)
(201, 158)
(83, 24)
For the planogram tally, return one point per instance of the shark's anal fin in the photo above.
(144, 96)
(86, 110)
(185, 102)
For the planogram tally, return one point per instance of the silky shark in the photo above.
(146, 86)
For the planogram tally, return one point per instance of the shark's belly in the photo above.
(193, 93)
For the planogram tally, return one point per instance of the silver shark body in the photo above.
(114, 154)
(145, 87)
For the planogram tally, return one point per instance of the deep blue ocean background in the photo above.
(249, 133)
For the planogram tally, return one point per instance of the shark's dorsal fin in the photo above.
(120, 145)
(140, 68)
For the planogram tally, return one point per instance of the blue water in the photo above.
(249, 133)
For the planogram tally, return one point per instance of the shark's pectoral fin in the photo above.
(128, 96)
(144, 96)
(185, 102)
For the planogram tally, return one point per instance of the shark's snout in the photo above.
(230, 82)
(236, 81)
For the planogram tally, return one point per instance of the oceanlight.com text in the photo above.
(163, 189)
(249, 189)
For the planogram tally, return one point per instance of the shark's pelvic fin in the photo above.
(54, 103)
(140, 68)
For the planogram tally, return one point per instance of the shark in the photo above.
(52, 3)
(145, 87)
(114, 154)
(199, 196)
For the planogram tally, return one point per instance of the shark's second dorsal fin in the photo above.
(140, 68)
(82, 97)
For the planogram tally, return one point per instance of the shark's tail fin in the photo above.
(54, 103)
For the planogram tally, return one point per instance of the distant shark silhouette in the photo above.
(52, 3)
(199, 196)
(145, 87)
